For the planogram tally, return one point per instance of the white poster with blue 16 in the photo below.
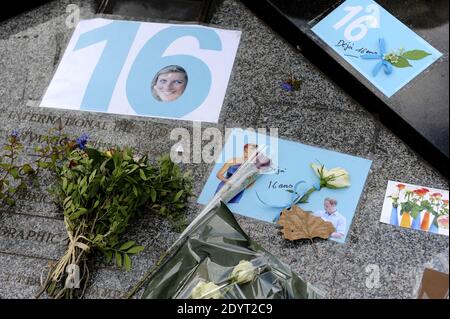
(377, 44)
(146, 69)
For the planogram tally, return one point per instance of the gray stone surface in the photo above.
(320, 114)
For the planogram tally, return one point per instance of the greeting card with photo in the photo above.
(326, 183)
(145, 69)
(377, 44)
(416, 207)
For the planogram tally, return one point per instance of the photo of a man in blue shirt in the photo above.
(330, 214)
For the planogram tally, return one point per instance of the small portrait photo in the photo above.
(330, 213)
(231, 166)
(169, 83)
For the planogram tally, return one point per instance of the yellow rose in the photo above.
(333, 178)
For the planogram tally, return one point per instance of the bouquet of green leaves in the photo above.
(101, 192)
(17, 175)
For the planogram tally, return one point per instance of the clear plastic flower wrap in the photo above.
(256, 165)
(215, 259)
(219, 261)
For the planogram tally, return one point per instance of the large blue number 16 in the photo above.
(119, 37)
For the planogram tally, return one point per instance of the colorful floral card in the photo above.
(326, 183)
(416, 207)
(145, 69)
(377, 44)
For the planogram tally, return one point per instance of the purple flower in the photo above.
(15, 133)
(82, 141)
(287, 87)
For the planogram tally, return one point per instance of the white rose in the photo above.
(244, 272)
(206, 290)
(333, 178)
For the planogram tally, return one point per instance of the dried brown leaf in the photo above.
(298, 224)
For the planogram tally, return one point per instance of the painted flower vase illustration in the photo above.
(406, 220)
(394, 216)
(426, 221)
(416, 222)
(433, 228)
(442, 221)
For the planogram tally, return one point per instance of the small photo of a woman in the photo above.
(231, 166)
(169, 83)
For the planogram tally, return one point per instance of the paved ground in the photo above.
(321, 114)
